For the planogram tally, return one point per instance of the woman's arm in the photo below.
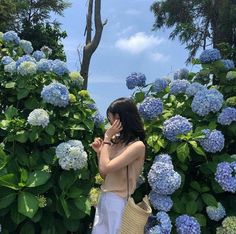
(133, 151)
(101, 174)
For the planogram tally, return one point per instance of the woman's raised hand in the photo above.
(97, 144)
(115, 128)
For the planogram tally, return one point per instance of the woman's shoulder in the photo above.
(139, 145)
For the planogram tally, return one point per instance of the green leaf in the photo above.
(10, 85)
(3, 159)
(209, 199)
(82, 203)
(21, 136)
(196, 186)
(201, 219)
(16, 216)
(7, 200)
(183, 152)
(27, 204)
(65, 206)
(139, 97)
(50, 129)
(22, 93)
(198, 149)
(33, 135)
(66, 179)
(31, 103)
(71, 225)
(11, 112)
(191, 207)
(9, 181)
(27, 228)
(74, 192)
(37, 178)
(173, 147)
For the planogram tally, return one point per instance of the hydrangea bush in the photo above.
(47, 168)
(190, 166)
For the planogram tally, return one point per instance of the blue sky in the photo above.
(128, 45)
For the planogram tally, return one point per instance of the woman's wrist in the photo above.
(107, 138)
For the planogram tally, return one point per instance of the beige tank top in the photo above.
(117, 181)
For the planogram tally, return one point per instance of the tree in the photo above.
(91, 43)
(198, 23)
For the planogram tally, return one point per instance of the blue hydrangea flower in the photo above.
(150, 108)
(44, 65)
(27, 68)
(56, 94)
(213, 141)
(38, 117)
(135, 79)
(160, 202)
(164, 158)
(175, 126)
(227, 116)
(12, 37)
(207, 101)
(38, 54)
(59, 67)
(25, 58)
(11, 67)
(92, 106)
(71, 155)
(209, 55)
(216, 213)
(26, 46)
(178, 86)
(6, 60)
(159, 85)
(187, 224)
(181, 74)
(163, 179)
(226, 176)
(194, 88)
(98, 119)
(229, 64)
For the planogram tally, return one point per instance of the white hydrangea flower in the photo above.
(11, 67)
(27, 68)
(38, 117)
(71, 155)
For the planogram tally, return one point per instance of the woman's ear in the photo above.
(117, 116)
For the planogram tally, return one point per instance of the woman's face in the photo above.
(112, 118)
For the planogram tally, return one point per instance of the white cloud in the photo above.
(132, 12)
(138, 43)
(125, 31)
(158, 57)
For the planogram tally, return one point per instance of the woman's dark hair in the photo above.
(130, 120)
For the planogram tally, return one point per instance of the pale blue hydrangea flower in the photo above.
(229, 64)
(165, 158)
(207, 101)
(160, 202)
(26, 46)
(213, 141)
(71, 155)
(209, 55)
(227, 116)
(11, 67)
(228, 226)
(135, 79)
(56, 94)
(193, 88)
(163, 179)
(226, 176)
(181, 74)
(25, 58)
(175, 126)
(178, 86)
(12, 37)
(38, 117)
(92, 106)
(98, 119)
(150, 108)
(164, 225)
(6, 60)
(38, 54)
(44, 65)
(159, 85)
(231, 75)
(27, 68)
(187, 224)
(216, 213)
(59, 67)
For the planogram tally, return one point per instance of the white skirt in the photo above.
(108, 214)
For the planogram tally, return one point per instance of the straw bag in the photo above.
(135, 216)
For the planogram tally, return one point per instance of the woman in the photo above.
(122, 149)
